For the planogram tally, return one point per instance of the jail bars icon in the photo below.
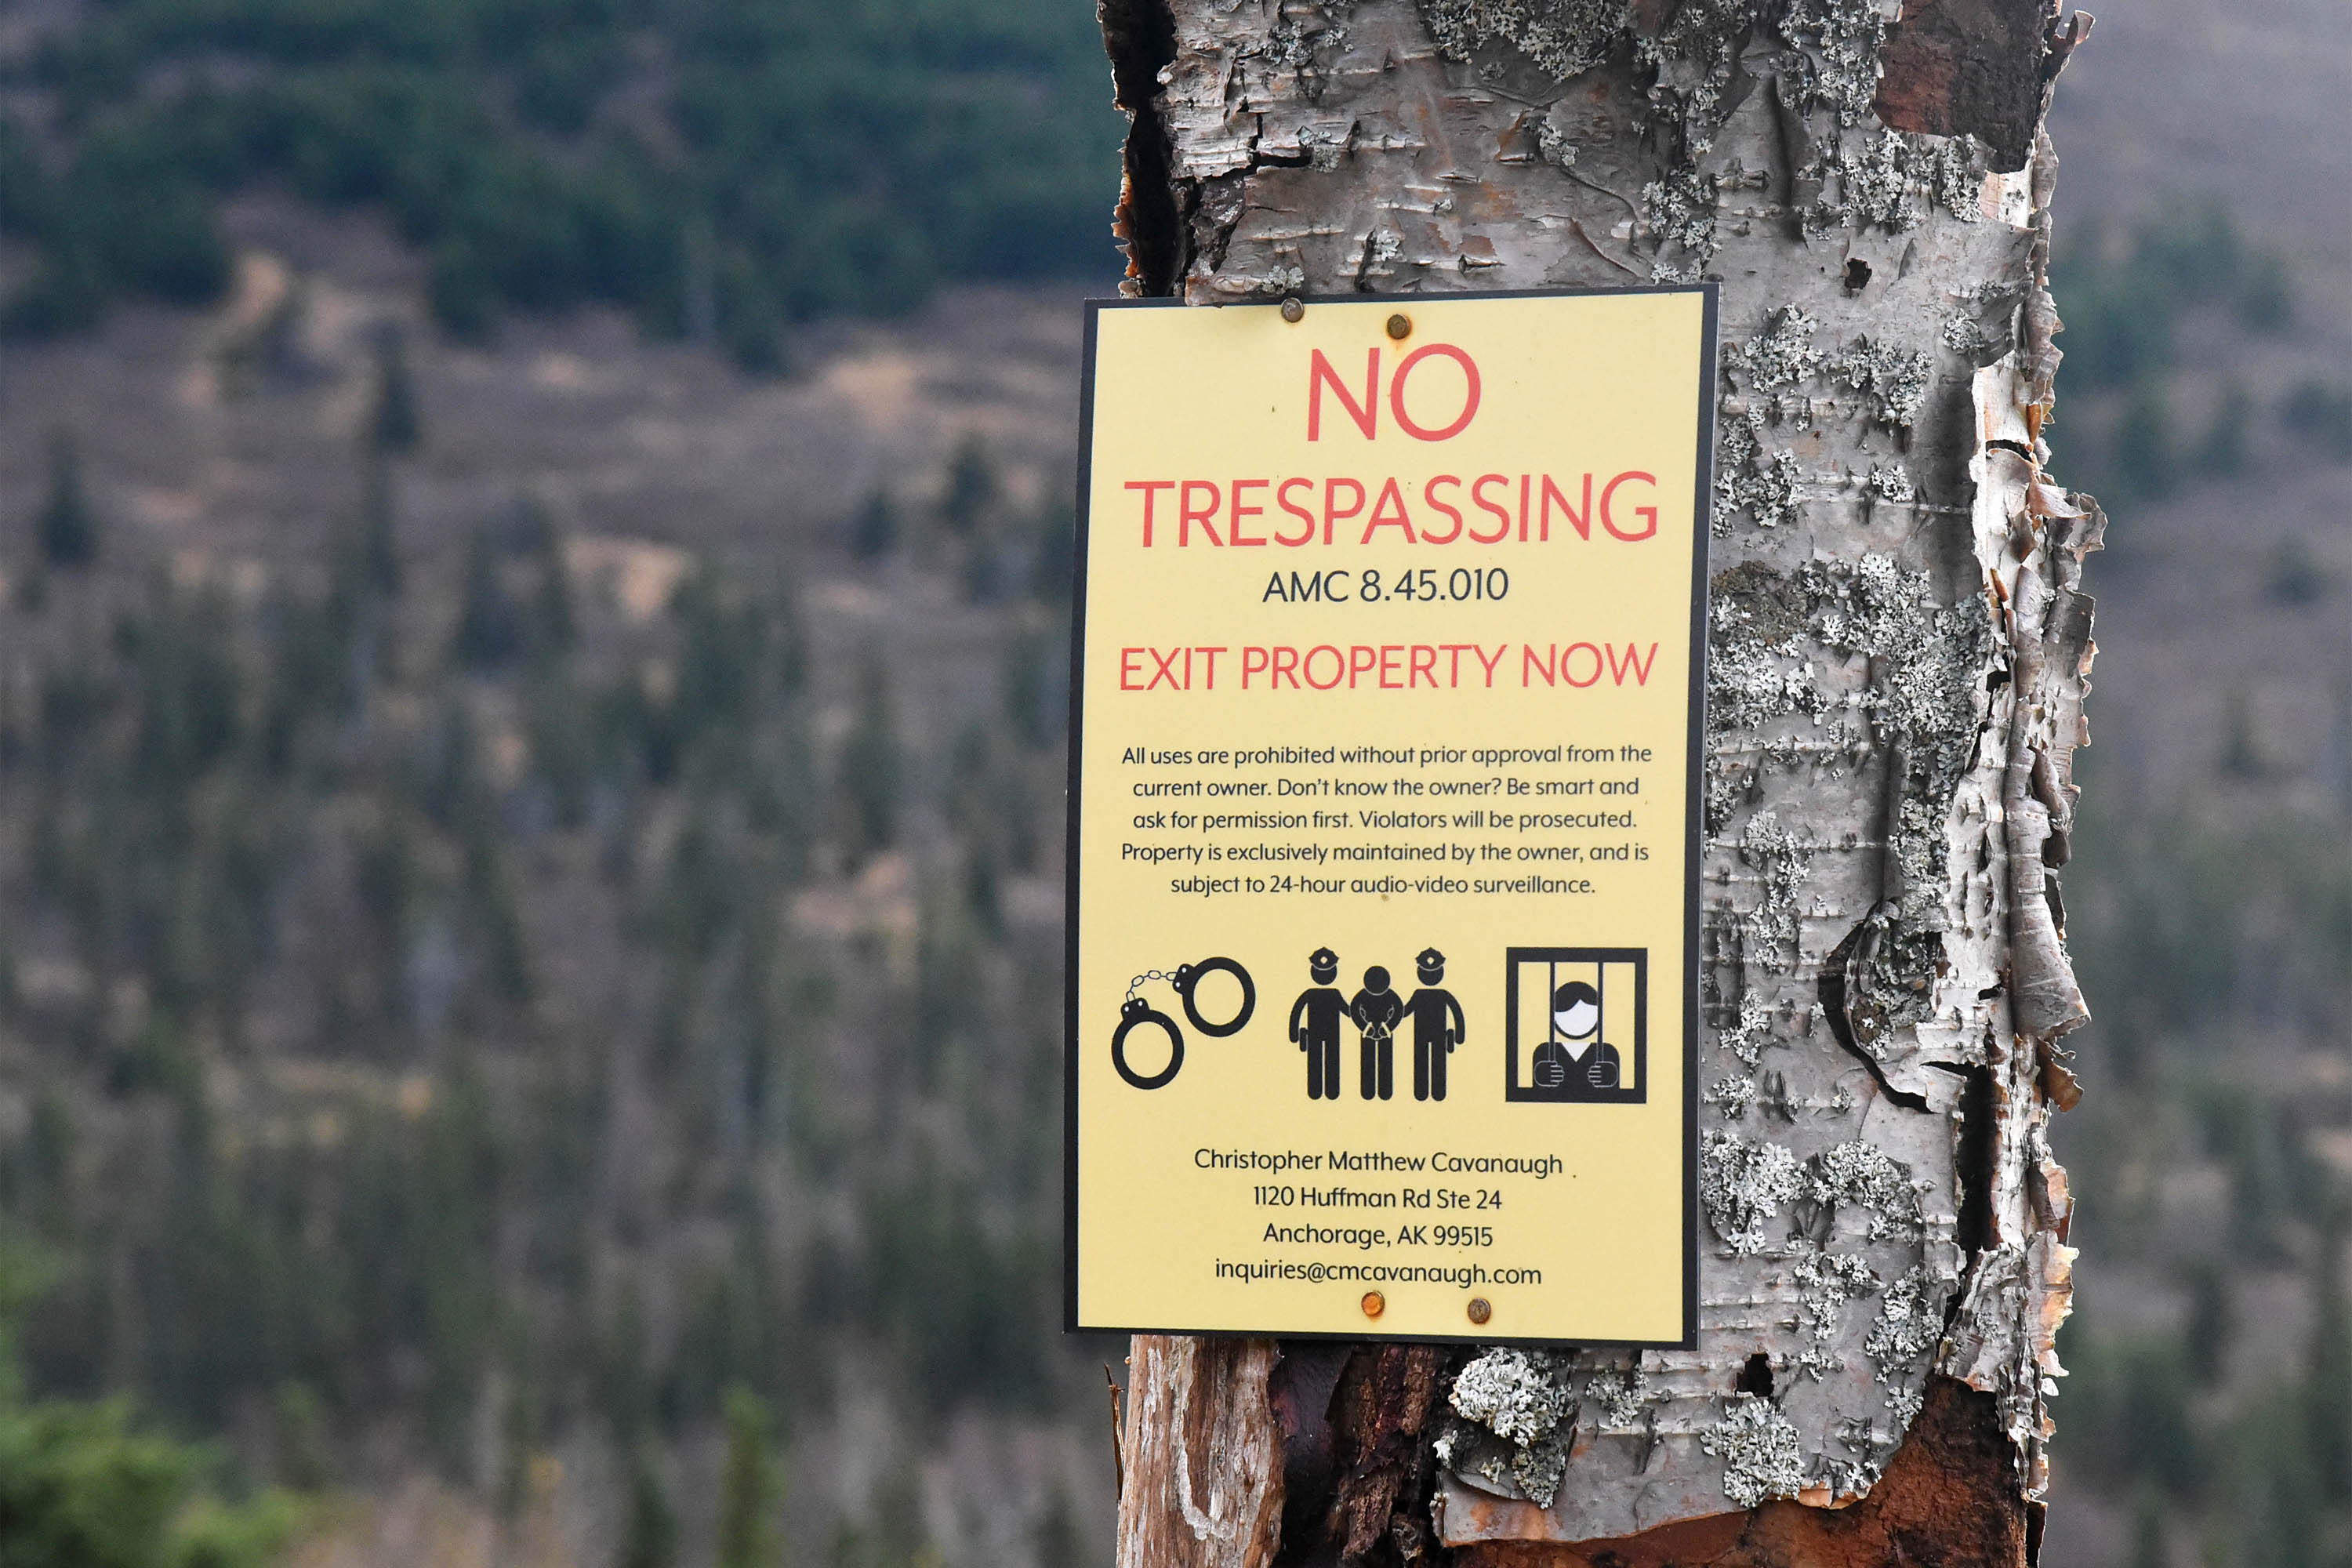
(1577, 1025)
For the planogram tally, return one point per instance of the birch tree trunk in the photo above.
(1898, 656)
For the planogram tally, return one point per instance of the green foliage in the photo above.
(971, 486)
(1054, 564)
(2271, 1180)
(870, 767)
(2131, 1420)
(2322, 413)
(652, 1538)
(969, 1295)
(2146, 457)
(2242, 750)
(2223, 453)
(2149, 901)
(238, 824)
(212, 1534)
(2212, 1323)
(749, 1490)
(301, 1422)
(875, 532)
(84, 1485)
(68, 529)
(2273, 1485)
(372, 565)
(80, 1489)
(394, 424)
(491, 626)
(2150, 1535)
(2121, 313)
(2296, 576)
(2327, 1380)
(836, 159)
(1037, 687)
(188, 682)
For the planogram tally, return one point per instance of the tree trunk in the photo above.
(1898, 659)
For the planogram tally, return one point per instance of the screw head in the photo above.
(1400, 326)
(1479, 1310)
(1292, 310)
(1374, 1304)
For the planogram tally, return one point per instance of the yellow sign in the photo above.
(1385, 817)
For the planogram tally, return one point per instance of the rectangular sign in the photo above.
(1385, 817)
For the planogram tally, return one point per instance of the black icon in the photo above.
(1315, 1025)
(1583, 1014)
(1377, 1011)
(1437, 1026)
(1186, 980)
(1136, 1010)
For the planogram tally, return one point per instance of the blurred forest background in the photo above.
(535, 539)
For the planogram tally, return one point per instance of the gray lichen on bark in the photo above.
(1898, 644)
(1513, 1424)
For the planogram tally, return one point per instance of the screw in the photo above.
(1292, 310)
(1400, 326)
(1374, 1304)
(1479, 1310)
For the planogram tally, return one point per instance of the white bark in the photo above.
(1899, 646)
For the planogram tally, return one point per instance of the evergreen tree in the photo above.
(554, 625)
(377, 558)
(971, 485)
(749, 1490)
(2321, 413)
(496, 917)
(1059, 1545)
(304, 1460)
(393, 422)
(68, 527)
(1055, 565)
(870, 768)
(2147, 464)
(2224, 451)
(875, 534)
(2265, 300)
(652, 1541)
(489, 626)
(2242, 757)
(2211, 1324)
(2149, 1537)
(2327, 1383)
(2297, 576)
(81, 1486)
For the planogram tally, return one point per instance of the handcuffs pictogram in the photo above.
(1185, 978)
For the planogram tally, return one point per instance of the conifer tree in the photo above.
(971, 485)
(376, 559)
(652, 1540)
(875, 534)
(489, 628)
(870, 767)
(394, 424)
(749, 1490)
(2327, 1385)
(68, 527)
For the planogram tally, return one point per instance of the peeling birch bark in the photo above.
(1200, 1455)
(1900, 656)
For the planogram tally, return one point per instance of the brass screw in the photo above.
(1400, 326)
(1374, 1304)
(1292, 310)
(1479, 1310)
